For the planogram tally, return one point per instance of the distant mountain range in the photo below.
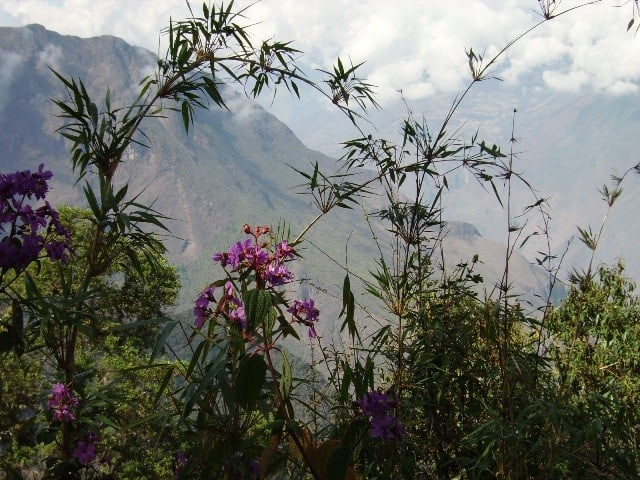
(567, 146)
(232, 168)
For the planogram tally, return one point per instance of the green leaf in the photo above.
(269, 322)
(214, 371)
(93, 202)
(249, 381)
(348, 306)
(185, 115)
(286, 378)
(346, 381)
(257, 304)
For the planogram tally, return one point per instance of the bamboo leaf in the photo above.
(185, 115)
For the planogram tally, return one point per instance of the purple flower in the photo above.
(250, 253)
(277, 274)
(85, 450)
(21, 224)
(62, 403)
(306, 313)
(237, 253)
(284, 251)
(181, 460)
(25, 183)
(230, 304)
(386, 427)
(56, 251)
(222, 257)
(377, 405)
(234, 306)
(237, 315)
(242, 253)
(257, 256)
(201, 309)
(254, 468)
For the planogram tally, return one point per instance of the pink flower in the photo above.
(62, 403)
(284, 251)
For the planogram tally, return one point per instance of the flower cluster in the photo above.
(62, 402)
(20, 223)
(229, 304)
(253, 254)
(377, 405)
(306, 313)
(85, 451)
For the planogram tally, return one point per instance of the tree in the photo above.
(111, 353)
(595, 379)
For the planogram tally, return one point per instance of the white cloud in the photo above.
(622, 88)
(539, 51)
(10, 63)
(589, 46)
(570, 82)
(240, 106)
(137, 22)
(50, 56)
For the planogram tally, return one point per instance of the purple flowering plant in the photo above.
(27, 229)
(245, 314)
(306, 313)
(252, 256)
(261, 262)
(62, 403)
(379, 407)
(86, 449)
(229, 305)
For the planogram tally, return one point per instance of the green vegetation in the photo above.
(98, 382)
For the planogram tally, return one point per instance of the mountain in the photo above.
(232, 168)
